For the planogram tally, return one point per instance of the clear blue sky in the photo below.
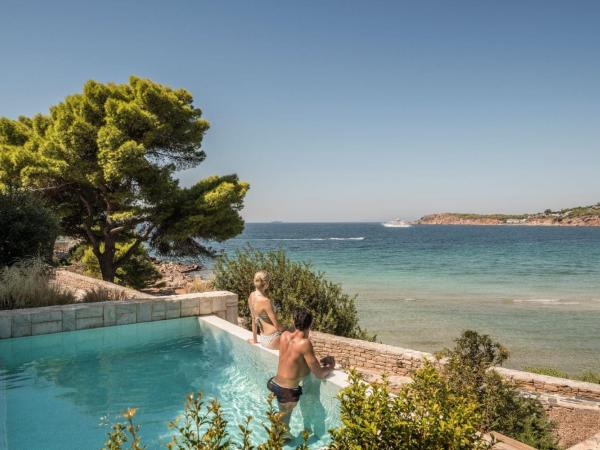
(346, 110)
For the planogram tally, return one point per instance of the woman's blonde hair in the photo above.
(264, 276)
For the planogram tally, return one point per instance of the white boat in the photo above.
(396, 223)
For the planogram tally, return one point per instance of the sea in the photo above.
(534, 289)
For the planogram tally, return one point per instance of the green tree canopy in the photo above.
(27, 228)
(105, 160)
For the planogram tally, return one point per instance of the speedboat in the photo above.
(396, 223)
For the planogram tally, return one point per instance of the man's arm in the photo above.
(314, 364)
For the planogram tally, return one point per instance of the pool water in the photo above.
(65, 390)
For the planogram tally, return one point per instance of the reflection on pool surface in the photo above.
(65, 390)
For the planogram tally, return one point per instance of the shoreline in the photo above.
(541, 225)
(580, 216)
(456, 219)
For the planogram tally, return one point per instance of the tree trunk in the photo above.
(107, 262)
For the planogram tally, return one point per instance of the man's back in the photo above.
(296, 360)
(292, 367)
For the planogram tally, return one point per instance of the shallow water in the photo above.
(536, 289)
(65, 390)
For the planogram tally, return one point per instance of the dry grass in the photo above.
(199, 285)
(27, 284)
(100, 294)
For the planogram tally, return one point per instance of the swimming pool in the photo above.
(65, 390)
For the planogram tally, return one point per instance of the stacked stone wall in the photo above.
(400, 361)
(80, 316)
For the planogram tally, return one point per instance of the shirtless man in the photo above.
(296, 360)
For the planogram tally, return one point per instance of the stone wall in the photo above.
(80, 316)
(79, 284)
(552, 385)
(369, 355)
(400, 361)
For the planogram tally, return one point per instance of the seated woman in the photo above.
(263, 316)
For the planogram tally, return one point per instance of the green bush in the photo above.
(203, 427)
(426, 414)
(587, 375)
(28, 284)
(548, 371)
(27, 228)
(502, 408)
(137, 272)
(293, 285)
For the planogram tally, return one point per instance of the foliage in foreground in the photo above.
(27, 228)
(28, 284)
(136, 272)
(293, 285)
(105, 160)
(203, 427)
(588, 376)
(469, 372)
(426, 414)
(448, 407)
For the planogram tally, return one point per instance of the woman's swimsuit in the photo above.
(284, 394)
(265, 339)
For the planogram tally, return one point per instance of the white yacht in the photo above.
(396, 223)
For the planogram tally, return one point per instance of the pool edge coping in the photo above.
(337, 377)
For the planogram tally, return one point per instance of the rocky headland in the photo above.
(588, 216)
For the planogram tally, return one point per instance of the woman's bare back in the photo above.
(260, 306)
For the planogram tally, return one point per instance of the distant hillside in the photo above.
(581, 216)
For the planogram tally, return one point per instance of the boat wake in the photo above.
(360, 238)
(544, 301)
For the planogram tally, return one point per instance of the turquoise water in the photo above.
(63, 391)
(536, 289)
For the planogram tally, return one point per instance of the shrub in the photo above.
(548, 371)
(587, 375)
(293, 285)
(28, 284)
(137, 272)
(426, 414)
(469, 372)
(27, 228)
(203, 427)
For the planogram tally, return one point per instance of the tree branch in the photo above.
(125, 224)
(135, 245)
(88, 225)
(50, 188)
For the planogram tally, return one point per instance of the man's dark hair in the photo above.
(302, 319)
